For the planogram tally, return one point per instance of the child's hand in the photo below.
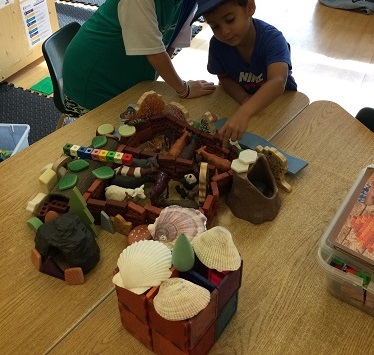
(200, 88)
(234, 128)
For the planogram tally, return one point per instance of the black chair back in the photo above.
(53, 49)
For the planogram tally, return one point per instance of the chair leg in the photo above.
(61, 121)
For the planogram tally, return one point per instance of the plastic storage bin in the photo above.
(346, 250)
(14, 137)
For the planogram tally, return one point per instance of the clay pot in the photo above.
(254, 195)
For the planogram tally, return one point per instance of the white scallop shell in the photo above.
(180, 299)
(216, 249)
(175, 220)
(142, 265)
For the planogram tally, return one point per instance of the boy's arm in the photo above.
(233, 88)
(164, 67)
(237, 123)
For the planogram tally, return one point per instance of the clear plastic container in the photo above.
(14, 137)
(346, 250)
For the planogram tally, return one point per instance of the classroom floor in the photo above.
(332, 52)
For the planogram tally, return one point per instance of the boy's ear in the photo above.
(251, 7)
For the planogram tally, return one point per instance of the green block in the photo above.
(66, 148)
(34, 223)
(104, 172)
(78, 165)
(110, 156)
(68, 181)
(99, 141)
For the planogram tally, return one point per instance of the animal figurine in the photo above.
(138, 172)
(190, 187)
(220, 163)
(161, 184)
(113, 192)
(145, 163)
(188, 151)
(179, 144)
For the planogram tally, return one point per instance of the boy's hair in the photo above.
(207, 6)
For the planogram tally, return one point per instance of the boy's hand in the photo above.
(234, 128)
(200, 88)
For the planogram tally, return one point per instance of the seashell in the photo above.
(175, 220)
(180, 299)
(216, 249)
(143, 265)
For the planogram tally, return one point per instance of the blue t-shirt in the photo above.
(270, 47)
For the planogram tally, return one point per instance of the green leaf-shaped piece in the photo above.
(78, 165)
(67, 182)
(183, 256)
(99, 141)
(104, 172)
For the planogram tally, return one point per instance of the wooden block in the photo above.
(163, 346)
(226, 314)
(74, 276)
(137, 328)
(136, 304)
(185, 334)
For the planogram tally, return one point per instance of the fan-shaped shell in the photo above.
(180, 299)
(175, 220)
(142, 265)
(216, 249)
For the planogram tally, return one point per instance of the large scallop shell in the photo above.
(216, 249)
(175, 220)
(180, 299)
(142, 265)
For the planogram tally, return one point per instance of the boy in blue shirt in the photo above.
(250, 57)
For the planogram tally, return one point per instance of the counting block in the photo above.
(118, 158)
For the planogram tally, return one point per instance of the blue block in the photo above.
(226, 314)
(81, 152)
(251, 141)
(87, 153)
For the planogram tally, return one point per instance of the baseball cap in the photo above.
(204, 6)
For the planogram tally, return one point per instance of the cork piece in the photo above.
(177, 110)
(150, 104)
(74, 276)
(278, 165)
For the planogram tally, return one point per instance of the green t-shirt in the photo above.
(96, 67)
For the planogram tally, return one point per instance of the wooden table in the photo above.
(284, 304)
(39, 311)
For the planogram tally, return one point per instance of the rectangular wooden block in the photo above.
(227, 283)
(136, 327)
(185, 334)
(163, 346)
(136, 304)
(226, 314)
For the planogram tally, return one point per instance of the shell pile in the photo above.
(180, 299)
(143, 265)
(175, 220)
(216, 249)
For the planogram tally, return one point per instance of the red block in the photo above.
(163, 346)
(138, 329)
(126, 159)
(185, 334)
